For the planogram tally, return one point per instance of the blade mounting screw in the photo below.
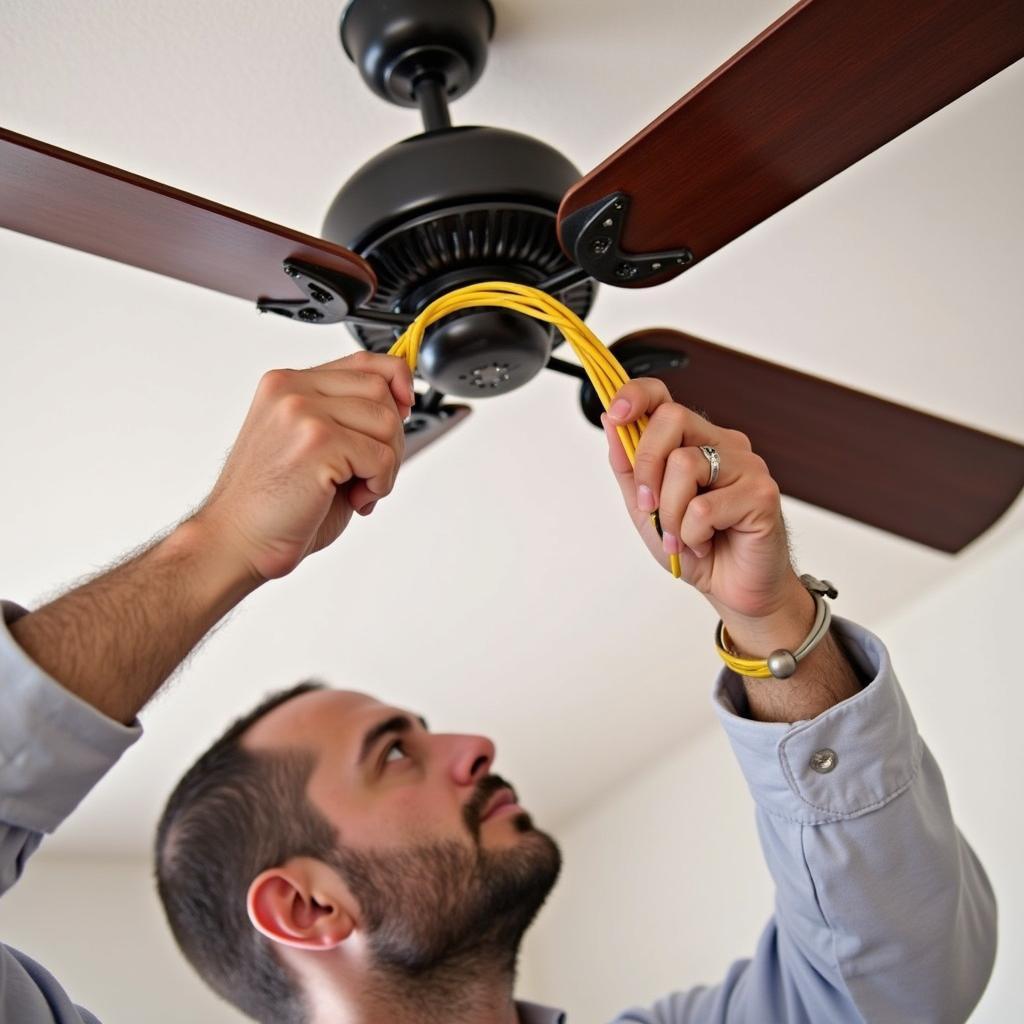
(599, 246)
(624, 271)
(310, 314)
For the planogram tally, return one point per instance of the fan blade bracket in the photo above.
(639, 362)
(331, 296)
(429, 421)
(591, 237)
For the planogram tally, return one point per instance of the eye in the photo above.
(399, 746)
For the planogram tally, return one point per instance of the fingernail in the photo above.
(672, 544)
(645, 498)
(619, 409)
(367, 509)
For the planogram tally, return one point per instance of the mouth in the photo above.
(503, 802)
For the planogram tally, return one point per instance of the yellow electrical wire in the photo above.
(603, 369)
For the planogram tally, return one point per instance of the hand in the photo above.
(731, 539)
(316, 445)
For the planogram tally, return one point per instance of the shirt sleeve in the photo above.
(882, 910)
(54, 747)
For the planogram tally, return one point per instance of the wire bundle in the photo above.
(603, 369)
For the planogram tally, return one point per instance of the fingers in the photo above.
(647, 396)
(332, 378)
(345, 421)
(687, 471)
(374, 419)
(751, 505)
(638, 398)
(671, 427)
(354, 455)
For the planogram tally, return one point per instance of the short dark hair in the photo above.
(234, 814)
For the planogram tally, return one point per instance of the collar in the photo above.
(534, 1013)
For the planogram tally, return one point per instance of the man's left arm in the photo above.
(883, 912)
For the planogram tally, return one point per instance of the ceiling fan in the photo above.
(826, 84)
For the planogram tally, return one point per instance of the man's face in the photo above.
(434, 849)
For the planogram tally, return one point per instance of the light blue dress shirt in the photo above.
(883, 914)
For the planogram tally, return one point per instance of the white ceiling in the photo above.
(499, 589)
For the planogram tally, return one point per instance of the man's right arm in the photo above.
(316, 445)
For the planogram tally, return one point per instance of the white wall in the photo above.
(664, 883)
(97, 926)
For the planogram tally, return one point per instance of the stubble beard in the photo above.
(442, 916)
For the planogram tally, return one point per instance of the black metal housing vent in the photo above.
(422, 259)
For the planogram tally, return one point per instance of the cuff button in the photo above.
(824, 760)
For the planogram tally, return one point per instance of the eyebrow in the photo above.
(395, 724)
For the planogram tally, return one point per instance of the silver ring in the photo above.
(714, 461)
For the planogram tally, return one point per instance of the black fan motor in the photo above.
(455, 207)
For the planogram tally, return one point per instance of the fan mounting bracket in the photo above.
(331, 295)
(591, 236)
(639, 361)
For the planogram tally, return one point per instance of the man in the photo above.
(331, 860)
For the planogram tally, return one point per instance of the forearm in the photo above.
(117, 638)
(822, 679)
(879, 900)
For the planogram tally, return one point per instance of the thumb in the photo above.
(619, 461)
(360, 495)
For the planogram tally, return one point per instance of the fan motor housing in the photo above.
(455, 207)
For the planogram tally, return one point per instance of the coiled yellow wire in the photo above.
(603, 369)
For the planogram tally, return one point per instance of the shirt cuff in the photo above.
(849, 760)
(54, 747)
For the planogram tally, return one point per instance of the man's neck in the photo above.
(440, 998)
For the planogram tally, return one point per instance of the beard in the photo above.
(448, 911)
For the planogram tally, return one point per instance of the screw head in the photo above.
(290, 271)
(625, 271)
(599, 246)
(312, 315)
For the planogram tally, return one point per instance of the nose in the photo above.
(472, 757)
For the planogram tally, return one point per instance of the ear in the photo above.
(301, 903)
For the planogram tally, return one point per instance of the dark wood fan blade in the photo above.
(74, 201)
(826, 84)
(913, 474)
(424, 428)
